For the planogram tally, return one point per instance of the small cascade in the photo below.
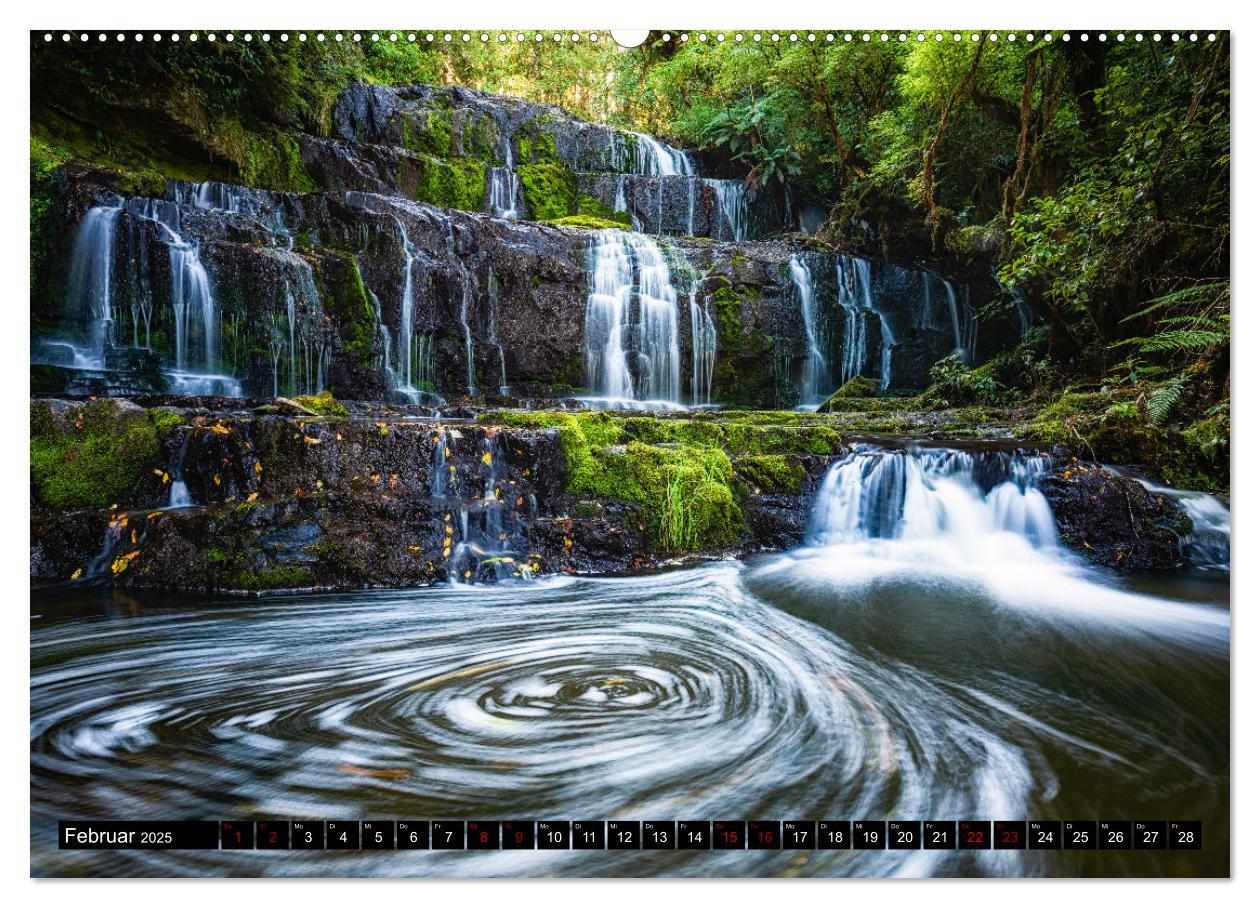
(89, 285)
(504, 185)
(483, 551)
(441, 469)
(732, 206)
(1208, 545)
(816, 374)
(963, 321)
(703, 350)
(958, 497)
(628, 269)
(111, 545)
(492, 329)
(179, 497)
(296, 343)
(607, 317)
(655, 158)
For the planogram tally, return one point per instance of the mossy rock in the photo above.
(323, 404)
(450, 183)
(771, 474)
(588, 222)
(855, 388)
(549, 191)
(91, 455)
(346, 299)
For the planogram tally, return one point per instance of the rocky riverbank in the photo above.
(228, 498)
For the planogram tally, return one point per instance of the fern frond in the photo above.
(1164, 399)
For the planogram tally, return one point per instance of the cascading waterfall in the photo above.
(1208, 545)
(616, 258)
(655, 158)
(607, 315)
(465, 299)
(816, 372)
(100, 298)
(703, 349)
(90, 284)
(732, 206)
(504, 185)
(659, 356)
(963, 321)
(853, 277)
(937, 494)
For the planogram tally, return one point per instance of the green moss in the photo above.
(274, 161)
(274, 578)
(93, 457)
(588, 222)
(451, 183)
(428, 132)
(742, 371)
(569, 375)
(346, 298)
(324, 404)
(771, 474)
(593, 207)
(534, 145)
(855, 388)
(165, 420)
(45, 185)
(548, 189)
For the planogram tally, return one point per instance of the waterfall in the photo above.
(616, 257)
(465, 291)
(504, 185)
(853, 277)
(732, 206)
(89, 284)
(95, 294)
(703, 350)
(1208, 545)
(963, 322)
(180, 498)
(960, 497)
(611, 279)
(816, 371)
(492, 329)
(655, 158)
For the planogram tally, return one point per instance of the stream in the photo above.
(930, 653)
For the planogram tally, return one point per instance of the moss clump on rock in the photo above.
(451, 183)
(588, 222)
(856, 388)
(323, 404)
(771, 474)
(347, 300)
(549, 191)
(90, 455)
(686, 490)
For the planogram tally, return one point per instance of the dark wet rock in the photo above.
(1113, 520)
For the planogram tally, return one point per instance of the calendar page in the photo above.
(663, 453)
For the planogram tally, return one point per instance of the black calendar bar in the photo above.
(635, 835)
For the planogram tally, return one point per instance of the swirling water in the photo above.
(880, 674)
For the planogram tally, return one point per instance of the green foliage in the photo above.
(954, 383)
(855, 388)
(771, 474)
(92, 455)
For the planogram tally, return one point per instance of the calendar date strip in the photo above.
(631, 835)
